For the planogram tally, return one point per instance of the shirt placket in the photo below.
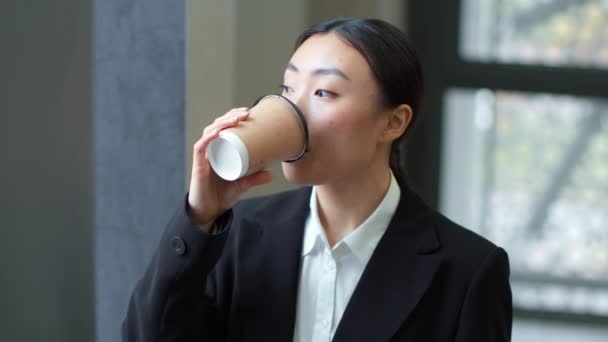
(326, 299)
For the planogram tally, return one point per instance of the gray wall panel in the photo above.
(139, 87)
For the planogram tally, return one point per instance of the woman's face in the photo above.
(335, 88)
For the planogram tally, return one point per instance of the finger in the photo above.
(201, 145)
(238, 113)
(243, 115)
(258, 178)
(231, 113)
(227, 122)
(212, 131)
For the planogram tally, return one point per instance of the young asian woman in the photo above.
(353, 254)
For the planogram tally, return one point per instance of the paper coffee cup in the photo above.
(228, 156)
(274, 131)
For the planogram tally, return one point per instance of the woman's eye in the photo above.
(285, 88)
(324, 93)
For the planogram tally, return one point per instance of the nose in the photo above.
(299, 101)
(294, 97)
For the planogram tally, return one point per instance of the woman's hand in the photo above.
(210, 196)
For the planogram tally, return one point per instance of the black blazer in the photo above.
(428, 280)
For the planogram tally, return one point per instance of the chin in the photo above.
(295, 173)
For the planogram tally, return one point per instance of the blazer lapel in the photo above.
(397, 275)
(277, 273)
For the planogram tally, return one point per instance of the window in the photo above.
(553, 33)
(534, 170)
(518, 116)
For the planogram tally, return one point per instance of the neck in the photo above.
(344, 205)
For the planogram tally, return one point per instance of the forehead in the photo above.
(331, 51)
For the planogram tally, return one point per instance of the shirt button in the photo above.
(178, 245)
(325, 323)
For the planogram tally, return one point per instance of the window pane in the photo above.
(530, 172)
(550, 32)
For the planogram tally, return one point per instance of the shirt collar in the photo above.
(313, 234)
(363, 240)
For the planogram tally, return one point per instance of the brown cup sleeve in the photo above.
(302, 121)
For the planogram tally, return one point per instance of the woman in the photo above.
(357, 257)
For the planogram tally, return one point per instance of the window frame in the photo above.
(434, 26)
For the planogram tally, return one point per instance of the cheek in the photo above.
(321, 124)
(342, 134)
(346, 122)
(334, 117)
(327, 133)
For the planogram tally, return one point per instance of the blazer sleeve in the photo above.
(170, 302)
(487, 313)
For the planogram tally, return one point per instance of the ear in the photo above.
(397, 121)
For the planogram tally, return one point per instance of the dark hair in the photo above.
(393, 62)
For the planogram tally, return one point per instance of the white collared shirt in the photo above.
(329, 276)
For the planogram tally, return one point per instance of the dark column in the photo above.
(46, 221)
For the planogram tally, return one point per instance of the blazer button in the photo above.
(178, 245)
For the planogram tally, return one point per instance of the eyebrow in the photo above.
(321, 71)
